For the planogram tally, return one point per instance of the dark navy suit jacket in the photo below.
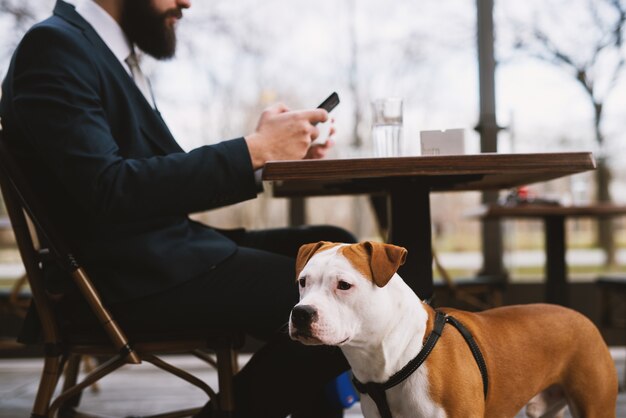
(107, 167)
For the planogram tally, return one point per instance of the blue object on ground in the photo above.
(340, 391)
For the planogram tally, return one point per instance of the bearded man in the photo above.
(83, 123)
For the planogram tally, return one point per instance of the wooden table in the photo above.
(408, 181)
(553, 217)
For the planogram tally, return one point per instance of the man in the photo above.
(81, 119)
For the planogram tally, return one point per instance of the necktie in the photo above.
(140, 79)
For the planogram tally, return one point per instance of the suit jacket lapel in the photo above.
(152, 123)
(68, 12)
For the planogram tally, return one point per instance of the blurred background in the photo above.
(559, 86)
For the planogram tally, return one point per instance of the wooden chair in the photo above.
(478, 293)
(613, 301)
(63, 351)
(14, 301)
(613, 306)
(13, 311)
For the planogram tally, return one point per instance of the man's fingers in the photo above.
(315, 116)
(277, 108)
(317, 151)
(314, 133)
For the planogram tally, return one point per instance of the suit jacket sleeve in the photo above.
(58, 107)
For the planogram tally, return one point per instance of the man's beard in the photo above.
(148, 29)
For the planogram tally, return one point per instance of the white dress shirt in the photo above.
(107, 28)
(114, 37)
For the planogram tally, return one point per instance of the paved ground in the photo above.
(148, 390)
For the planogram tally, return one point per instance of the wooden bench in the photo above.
(475, 293)
(613, 301)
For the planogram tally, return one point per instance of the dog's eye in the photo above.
(341, 285)
(302, 282)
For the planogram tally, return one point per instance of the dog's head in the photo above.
(345, 291)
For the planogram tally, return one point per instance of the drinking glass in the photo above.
(387, 127)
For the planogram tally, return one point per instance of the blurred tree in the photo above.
(16, 17)
(237, 57)
(21, 11)
(592, 53)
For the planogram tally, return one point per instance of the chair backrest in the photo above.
(31, 226)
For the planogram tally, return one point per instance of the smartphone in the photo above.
(330, 103)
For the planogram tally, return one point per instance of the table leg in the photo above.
(557, 290)
(409, 221)
(297, 211)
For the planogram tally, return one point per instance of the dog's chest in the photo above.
(410, 399)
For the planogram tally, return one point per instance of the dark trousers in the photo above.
(253, 291)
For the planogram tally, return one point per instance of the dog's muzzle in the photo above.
(302, 316)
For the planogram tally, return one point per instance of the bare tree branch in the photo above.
(22, 12)
(619, 24)
(602, 66)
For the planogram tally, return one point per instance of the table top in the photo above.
(489, 171)
(530, 210)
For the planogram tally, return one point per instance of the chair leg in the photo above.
(74, 391)
(49, 379)
(19, 306)
(227, 367)
(71, 371)
(70, 379)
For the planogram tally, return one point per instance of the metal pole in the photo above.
(488, 129)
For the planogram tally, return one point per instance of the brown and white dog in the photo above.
(543, 356)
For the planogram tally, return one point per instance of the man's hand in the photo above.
(282, 134)
(319, 150)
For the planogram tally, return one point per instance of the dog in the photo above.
(541, 356)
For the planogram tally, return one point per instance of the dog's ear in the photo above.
(377, 259)
(305, 253)
(385, 261)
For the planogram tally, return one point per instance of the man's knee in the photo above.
(329, 233)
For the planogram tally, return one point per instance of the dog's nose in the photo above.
(303, 315)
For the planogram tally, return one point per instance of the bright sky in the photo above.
(308, 58)
(422, 51)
